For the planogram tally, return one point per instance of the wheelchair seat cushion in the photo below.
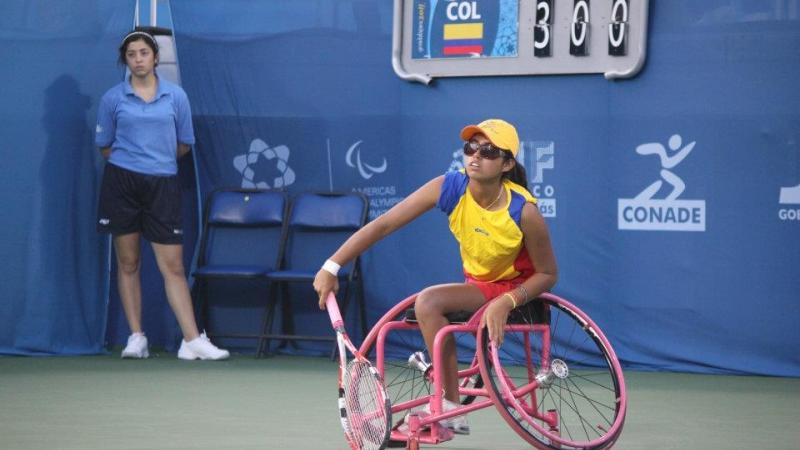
(533, 312)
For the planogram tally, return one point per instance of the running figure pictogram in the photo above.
(667, 162)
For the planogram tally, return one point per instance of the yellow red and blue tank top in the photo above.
(490, 242)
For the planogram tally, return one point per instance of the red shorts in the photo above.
(492, 289)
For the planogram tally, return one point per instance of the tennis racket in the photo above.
(365, 409)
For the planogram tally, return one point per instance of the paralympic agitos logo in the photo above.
(353, 159)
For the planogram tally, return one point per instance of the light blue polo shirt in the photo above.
(144, 136)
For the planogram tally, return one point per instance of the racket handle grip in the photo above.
(333, 311)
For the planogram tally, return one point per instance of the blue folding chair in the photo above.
(242, 242)
(319, 222)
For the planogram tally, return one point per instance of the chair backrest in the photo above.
(244, 227)
(319, 222)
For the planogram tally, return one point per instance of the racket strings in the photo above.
(365, 405)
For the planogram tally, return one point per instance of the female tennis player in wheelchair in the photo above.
(509, 265)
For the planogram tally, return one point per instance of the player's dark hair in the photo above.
(137, 36)
(517, 174)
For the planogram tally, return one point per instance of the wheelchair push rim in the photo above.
(556, 380)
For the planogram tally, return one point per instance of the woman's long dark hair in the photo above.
(517, 174)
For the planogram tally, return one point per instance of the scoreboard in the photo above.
(446, 38)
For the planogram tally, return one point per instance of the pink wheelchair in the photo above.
(555, 380)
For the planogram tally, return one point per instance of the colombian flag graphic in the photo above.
(463, 39)
(464, 29)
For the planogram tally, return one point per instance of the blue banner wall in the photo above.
(673, 198)
(662, 193)
(59, 59)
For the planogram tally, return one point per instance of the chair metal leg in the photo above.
(264, 340)
(345, 299)
(287, 316)
(362, 306)
(199, 297)
(266, 326)
(334, 351)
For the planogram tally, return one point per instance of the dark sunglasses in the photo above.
(487, 151)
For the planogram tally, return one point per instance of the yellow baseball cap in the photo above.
(499, 132)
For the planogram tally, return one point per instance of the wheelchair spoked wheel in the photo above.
(555, 379)
(405, 381)
(408, 384)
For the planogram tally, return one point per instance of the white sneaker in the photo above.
(136, 347)
(201, 348)
(458, 424)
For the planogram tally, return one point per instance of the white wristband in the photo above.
(331, 267)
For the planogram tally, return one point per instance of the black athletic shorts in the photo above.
(133, 202)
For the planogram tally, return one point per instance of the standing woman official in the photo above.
(503, 239)
(144, 125)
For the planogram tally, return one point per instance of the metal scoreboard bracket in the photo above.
(457, 38)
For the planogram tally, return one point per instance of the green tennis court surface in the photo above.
(103, 402)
